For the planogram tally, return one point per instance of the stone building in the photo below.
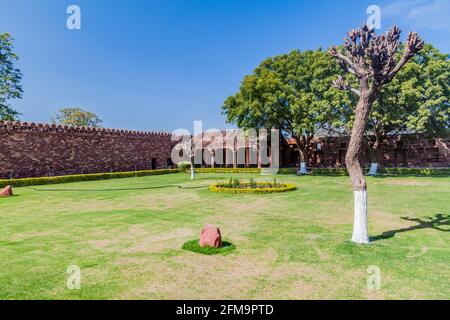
(396, 151)
(34, 150)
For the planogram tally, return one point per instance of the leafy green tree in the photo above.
(77, 117)
(291, 92)
(415, 101)
(10, 77)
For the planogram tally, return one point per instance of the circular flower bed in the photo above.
(237, 186)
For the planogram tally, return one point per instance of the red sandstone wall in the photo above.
(399, 151)
(33, 150)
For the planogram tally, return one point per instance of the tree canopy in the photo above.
(77, 117)
(291, 92)
(417, 100)
(10, 77)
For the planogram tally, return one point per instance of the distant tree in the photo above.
(290, 92)
(77, 117)
(10, 77)
(373, 61)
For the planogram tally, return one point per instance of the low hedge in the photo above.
(385, 171)
(227, 170)
(83, 177)
(416, 171)
(287, 171)
(336, 171)
(216, 187)
(329, 171)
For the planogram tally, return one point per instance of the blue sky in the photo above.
(161, 64)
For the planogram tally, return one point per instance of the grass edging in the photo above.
(194, 246)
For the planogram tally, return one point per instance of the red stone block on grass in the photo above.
(211, 237)
(6, 192)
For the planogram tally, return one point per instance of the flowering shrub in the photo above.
(237, 186)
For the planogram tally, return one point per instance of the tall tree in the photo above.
(77, 117)
(373, 61)
(416, 101)
(10, 77)
(290, 92)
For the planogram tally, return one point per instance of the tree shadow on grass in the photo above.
(436, 222)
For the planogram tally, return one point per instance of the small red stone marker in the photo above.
(211, 237)
(6, 192)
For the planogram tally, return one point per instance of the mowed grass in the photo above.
(294, 245)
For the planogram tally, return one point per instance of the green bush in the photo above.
(184, 166)
(83, 177)
(194, 246)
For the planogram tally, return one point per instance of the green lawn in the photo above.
(288, 246)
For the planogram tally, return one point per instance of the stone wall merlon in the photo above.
(45, 127)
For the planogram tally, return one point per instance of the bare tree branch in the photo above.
(340, 84)
(413, 45)
(373, 57)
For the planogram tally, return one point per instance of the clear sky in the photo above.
(161, 64)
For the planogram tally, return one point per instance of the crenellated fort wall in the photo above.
(34, 150)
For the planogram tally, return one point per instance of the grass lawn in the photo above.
(288, 246)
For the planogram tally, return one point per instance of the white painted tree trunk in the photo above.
(303, 168)
(192, 173)
(360, 225)
(373, 169)
(213, 160)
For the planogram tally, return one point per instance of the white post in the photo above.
(360, 225)
(303, 168)
(373, 169)
(192, 173)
